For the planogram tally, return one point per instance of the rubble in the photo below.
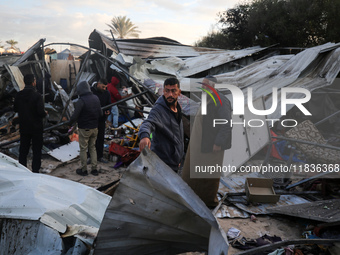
(142, 65)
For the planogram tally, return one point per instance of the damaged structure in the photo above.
(151, 210)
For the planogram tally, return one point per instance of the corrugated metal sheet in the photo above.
(162, 47)
(262, 208)
(325, 210)
(149, 48)
(154, 211)
(181, 68)
(209, 61)
(30, 238)
(311, 69)
(56, 202)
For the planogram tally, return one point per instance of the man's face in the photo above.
(171, 93)
(101, 86)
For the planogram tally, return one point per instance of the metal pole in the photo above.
(115, 64)
(323, 120)
(43, 73)
(74, 87)
(307, 142)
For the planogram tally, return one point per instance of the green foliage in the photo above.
(122, 27)
(290, 23)
(12, 43)
(213, 40)
(237, 30)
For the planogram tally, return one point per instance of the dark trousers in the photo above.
(25, 144)
(100, 139)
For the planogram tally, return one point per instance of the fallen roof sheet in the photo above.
(151, 48)
(56, 202)
(153, 211)
(29, 237)
(195, 65)
(326, 210)
(159, 47)
(265, 208)
(311, 69)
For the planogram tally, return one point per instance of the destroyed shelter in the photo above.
(142, 65)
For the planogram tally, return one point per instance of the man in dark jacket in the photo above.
(166, 125)
(30, 107)
(87, 113)
(99, 89)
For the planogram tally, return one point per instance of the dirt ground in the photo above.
(107, 173)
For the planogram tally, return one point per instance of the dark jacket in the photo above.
(167, 133)
(221, 133)
(30, 107)
(104, 98)
(87, 109)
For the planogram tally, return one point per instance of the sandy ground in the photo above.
(107, 173)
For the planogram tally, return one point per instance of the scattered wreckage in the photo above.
(142, 65)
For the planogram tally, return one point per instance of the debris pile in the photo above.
(283, 165)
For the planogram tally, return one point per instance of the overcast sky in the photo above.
(72, 21)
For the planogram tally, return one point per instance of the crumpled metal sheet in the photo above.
(154, 211)
(56, 202)
(296, 71)
(264, 208)
(30, 238)
(325, 210)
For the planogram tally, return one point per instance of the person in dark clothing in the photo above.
(166, 125)
(208, 144)
(99, 89)
(87, 113)
(30, 107)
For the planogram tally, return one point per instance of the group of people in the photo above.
(88, 114)
(162, 131)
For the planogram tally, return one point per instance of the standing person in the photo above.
(99, 89)
(115, 96)
(30, 107)
(166, 125)
(207, 146)
(87, 113)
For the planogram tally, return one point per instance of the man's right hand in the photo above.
(144, 142)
